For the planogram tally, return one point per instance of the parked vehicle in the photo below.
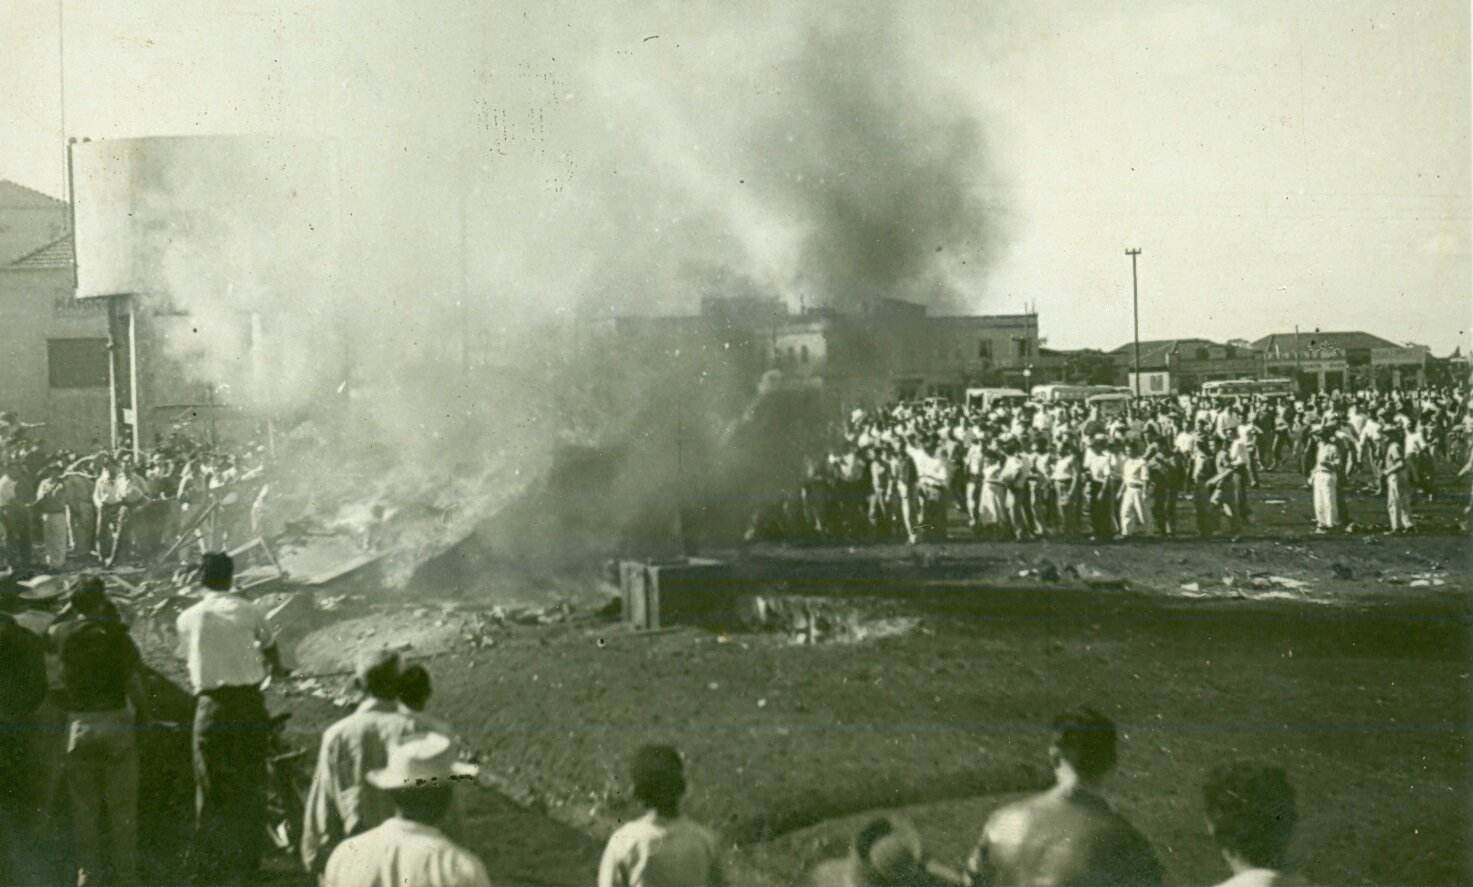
(985, 399)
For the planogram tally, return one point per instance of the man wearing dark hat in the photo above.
(230, 652)
(341, 802)
(100, 667)
(1068, 834)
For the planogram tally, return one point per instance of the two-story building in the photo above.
(56, 370)
(897, 350)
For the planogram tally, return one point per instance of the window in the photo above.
(77, 363)
(984, 349)
(1023, 349)
(803, 354)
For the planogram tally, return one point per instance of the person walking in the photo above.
(230, 652)
(100, 670)
(409, 849)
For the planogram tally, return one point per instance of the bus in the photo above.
(1111, 403)
(1251, 387)
(985, 399)
(1060, 393)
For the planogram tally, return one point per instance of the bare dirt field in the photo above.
(1344, 658)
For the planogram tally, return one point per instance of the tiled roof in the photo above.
(56, 254)
(1307, 340)
(14, 195)
(1152, 346)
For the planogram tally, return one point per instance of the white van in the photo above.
(985, 399)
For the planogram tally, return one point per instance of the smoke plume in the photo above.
(458, 195)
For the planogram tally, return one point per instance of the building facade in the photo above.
(1180, 366)
(1334, 361)
(898, 351)
(56, 351)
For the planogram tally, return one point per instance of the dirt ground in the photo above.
(1344, 658)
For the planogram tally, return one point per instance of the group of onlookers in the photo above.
(382, 809)
(1024, 470)
(119, 506)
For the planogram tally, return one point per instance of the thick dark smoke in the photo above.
(886, 172)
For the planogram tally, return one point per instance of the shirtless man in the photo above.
(1067, 835)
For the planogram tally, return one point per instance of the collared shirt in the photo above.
(1239, 452)
(403, 853)
(653, 851)
(1097, 463)
(1260, 878)
(108, 490)
(1136, 472)
(221, 639)
(341, 803)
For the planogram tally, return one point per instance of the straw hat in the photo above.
(421, 761)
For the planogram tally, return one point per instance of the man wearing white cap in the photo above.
(409, 848)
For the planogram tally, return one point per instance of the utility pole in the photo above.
(1135, 310)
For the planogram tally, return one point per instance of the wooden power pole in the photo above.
(1135, 310)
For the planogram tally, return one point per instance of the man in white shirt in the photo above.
(934, 479)
(1135, 514)
(661, 847)
(1099, 470)
(229, 649)
(341, 803)
(409, 848)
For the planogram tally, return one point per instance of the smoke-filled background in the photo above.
(455, 197)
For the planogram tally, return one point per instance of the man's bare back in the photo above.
(1059, 838)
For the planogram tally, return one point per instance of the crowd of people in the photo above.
(383, 808)
(117, 506)
(1026, 470)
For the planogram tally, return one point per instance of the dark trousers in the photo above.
(17, 807)
(231, 740)
(1101, 510)
(17, 519)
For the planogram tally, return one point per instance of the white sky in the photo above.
(1278, 162)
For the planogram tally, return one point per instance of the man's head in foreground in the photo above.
(658, 775)
(1083, 748)
(217, 571)
(1251, 814)
(376, 673)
